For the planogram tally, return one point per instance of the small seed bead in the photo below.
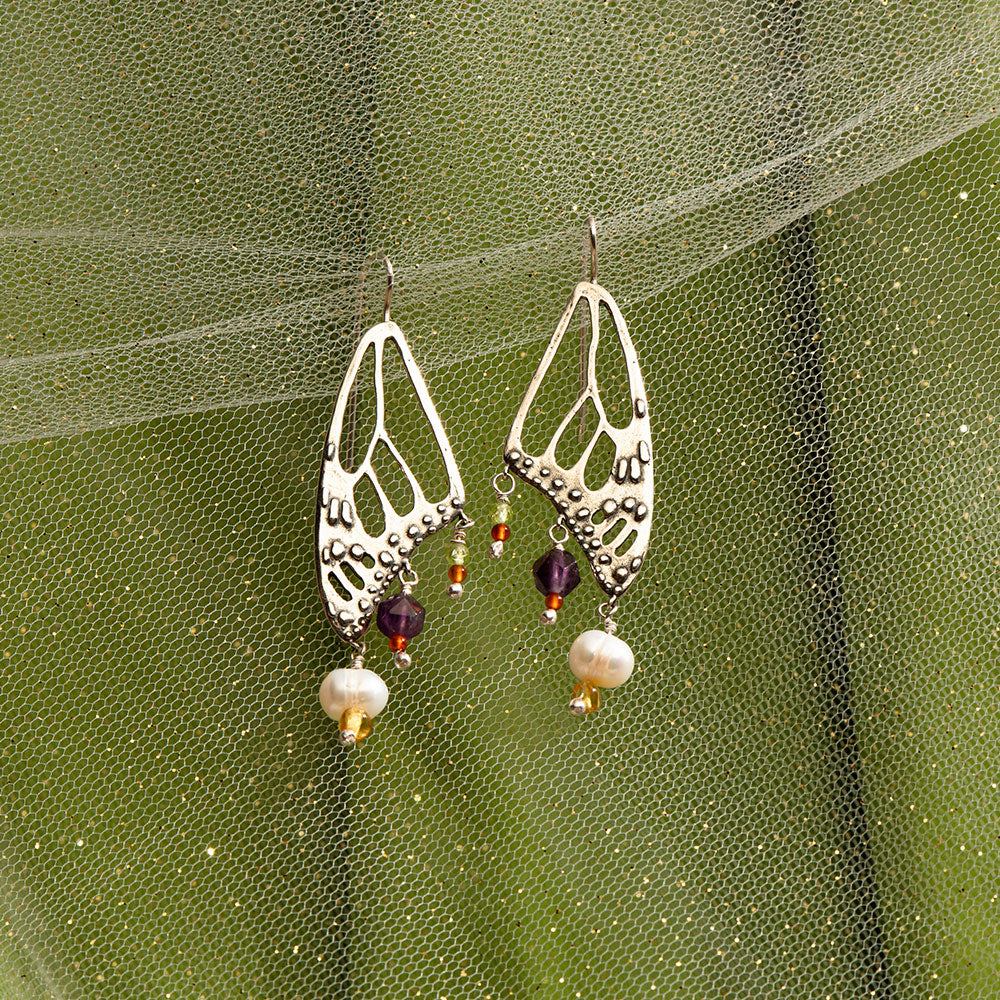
(553, 601)
(397, 643)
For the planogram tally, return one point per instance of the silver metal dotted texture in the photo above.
(356, 565)
(795, 795)
(610, 517)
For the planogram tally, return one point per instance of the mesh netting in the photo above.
(794, 796)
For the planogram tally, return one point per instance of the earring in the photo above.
(354, 567)
(612, 522)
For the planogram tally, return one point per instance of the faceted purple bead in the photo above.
(400, 615)
(556, 572)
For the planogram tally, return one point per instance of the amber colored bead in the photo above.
(456, 573)
(500, 532)
(397, 643)
(356, 722)
(553, 601)
(590, 694)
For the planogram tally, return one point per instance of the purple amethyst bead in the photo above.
(556, 572)
(400, 615)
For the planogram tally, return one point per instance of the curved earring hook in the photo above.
(389, 277)
(592, 226)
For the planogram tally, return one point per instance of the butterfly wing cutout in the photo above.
(627, 493)
(355, 568)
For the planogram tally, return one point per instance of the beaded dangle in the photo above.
(500, 531)
(355, 567)
(611, 523)
(555, 573)
(400, 618)
(459, 554)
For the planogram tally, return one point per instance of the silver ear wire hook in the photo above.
(592, 226)
(615, 555)
(389, 276)
(355, 567)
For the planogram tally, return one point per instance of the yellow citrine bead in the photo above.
(501, 513)
(586, 698)
(355, 726)
(459, 553)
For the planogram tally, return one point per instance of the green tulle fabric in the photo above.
(795, 794)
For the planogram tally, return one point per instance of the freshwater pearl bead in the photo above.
(362, 689)
(601, 658)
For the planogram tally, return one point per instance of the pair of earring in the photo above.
(355, 568)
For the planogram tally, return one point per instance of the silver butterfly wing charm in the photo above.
(627, 494)
(354, 567)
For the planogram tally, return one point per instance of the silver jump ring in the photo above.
(504, 492)
(560, 523)
(413, 579)
(607, 609)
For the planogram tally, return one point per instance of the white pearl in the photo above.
(342, 689)
(601, 658)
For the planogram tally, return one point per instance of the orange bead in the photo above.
(456, 573)
(553, 601)
(500, 532)
(397, 643)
